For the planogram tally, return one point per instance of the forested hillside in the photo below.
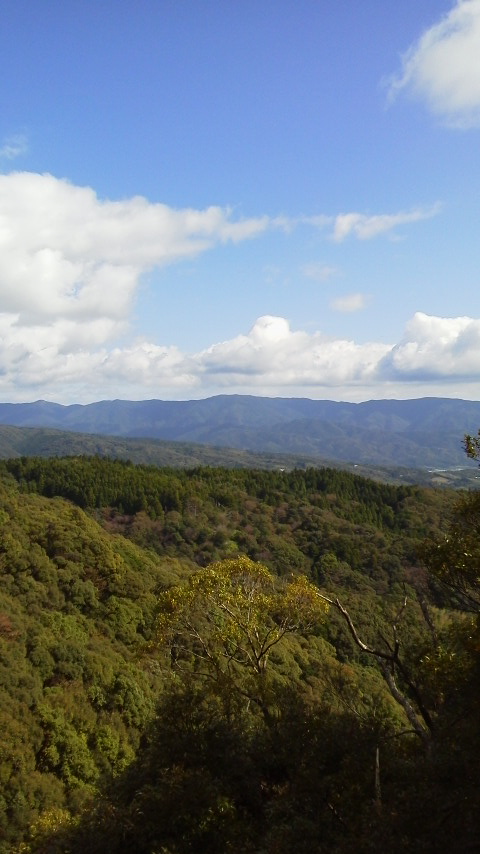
(47, 442)
(75, 603)
(411, 433)
(214, 660)
(291, 520)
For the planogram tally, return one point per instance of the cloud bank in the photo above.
(70, 269)
(272, 355)
(443, 67)
(434, 356)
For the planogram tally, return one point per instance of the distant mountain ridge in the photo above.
(424, 432)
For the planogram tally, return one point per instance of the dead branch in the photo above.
(388, 661)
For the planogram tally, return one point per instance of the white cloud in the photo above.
(146, 364)
(366, 227)
(349, 303)
(436, 347)
(13, 146)
(319, 272)
(320, 221)
(272, 355)
(65, 254)
(436, 356)
(443, 67)
(70, 268)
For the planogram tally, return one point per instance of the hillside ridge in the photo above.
(423, 432)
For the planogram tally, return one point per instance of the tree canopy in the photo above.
(174, 682)
(228, 618)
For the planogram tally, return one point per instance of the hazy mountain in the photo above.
(426, 432)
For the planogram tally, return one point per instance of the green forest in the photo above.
(236, 660)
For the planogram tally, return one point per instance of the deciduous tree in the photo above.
(224, 623)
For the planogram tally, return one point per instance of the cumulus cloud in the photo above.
(443, 67)
(435, 354)
(13, 146)
(70, 268)
(349, 303)
(436, 347)
(65, 254)
(366, 227)
(274, 355)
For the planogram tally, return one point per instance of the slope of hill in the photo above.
(50, 442)
(114, 738)
(288, 519)
(417, 433)
(76, 605)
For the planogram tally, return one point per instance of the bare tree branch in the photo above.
(391, 658)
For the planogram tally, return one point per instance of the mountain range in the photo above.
(421, 433)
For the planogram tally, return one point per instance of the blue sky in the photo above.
(276, 197)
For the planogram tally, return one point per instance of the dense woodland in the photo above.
(418, 433)
(222, 660)
(46, 442)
